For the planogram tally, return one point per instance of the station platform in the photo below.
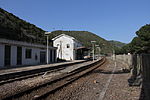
(34, 67)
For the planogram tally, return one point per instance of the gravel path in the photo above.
(100, 84)
(119, 89)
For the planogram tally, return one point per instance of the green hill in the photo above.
(117, 43)
(14, 28)
(85, 38)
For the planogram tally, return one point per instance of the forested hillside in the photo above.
(14, 28)
(117, 43)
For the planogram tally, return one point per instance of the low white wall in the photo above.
(126, 59)
(32, 60)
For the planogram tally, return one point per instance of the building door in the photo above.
(42, 57)
(19, 55)
(54, 57)
(51, 57)
(7, 58)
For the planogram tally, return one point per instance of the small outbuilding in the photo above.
(82, 53)
(68, 48)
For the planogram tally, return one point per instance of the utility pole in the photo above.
(98, 47)
(61, 49)
(47, 34)
(93, 49)
(113, 54)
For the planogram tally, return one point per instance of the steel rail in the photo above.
(56, 83)
(16, 76)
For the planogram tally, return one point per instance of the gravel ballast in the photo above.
(100, 84)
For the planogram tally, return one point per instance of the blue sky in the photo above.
(110, 19)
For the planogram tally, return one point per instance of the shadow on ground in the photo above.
(109, 71)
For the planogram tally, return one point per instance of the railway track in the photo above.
(20, 75)
(43, 90)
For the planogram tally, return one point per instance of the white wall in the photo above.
(126, 59)
(36, 51)
(67, 53)
(32, 60)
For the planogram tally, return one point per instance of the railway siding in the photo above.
(8, 74)
(17, 87)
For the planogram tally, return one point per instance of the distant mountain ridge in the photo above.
(117, 43)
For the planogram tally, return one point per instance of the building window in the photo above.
(28, 53)
(68, 46)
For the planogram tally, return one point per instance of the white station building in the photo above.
(66, 47)
(17, 53)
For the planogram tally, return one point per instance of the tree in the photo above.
(141, 43)
(136, 45)
(144, 34)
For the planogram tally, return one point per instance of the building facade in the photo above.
(66, 46)
(17, 53)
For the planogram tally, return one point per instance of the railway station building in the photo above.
(68, 48)
(17, 53)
